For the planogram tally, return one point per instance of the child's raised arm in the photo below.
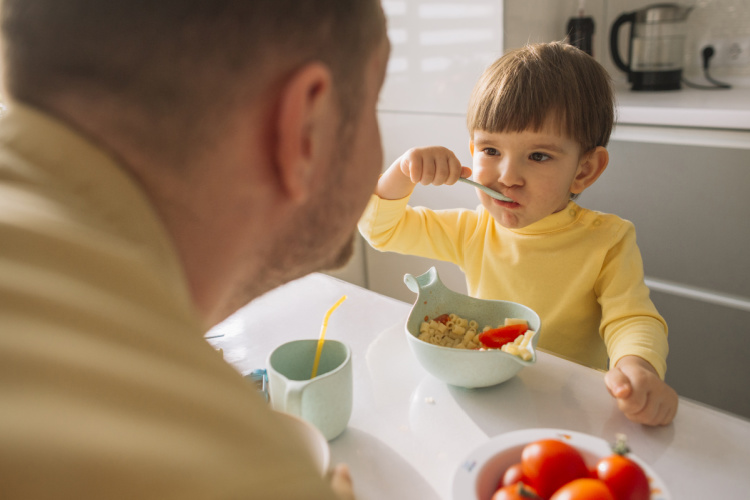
(432, 165)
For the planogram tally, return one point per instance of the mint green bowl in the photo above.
(462, 367)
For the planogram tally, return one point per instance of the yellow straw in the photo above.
(321, 340)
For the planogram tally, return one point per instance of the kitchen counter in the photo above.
(717, 109)
(690, 117)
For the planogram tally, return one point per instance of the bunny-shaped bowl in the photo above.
(467, 368)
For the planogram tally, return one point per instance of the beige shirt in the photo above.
(108, 389)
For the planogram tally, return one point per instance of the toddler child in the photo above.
(539, 120)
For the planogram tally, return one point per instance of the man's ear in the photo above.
(304, 107)
(590, 167)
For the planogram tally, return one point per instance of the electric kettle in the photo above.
(656, 46)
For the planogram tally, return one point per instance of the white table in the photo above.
(409, 432)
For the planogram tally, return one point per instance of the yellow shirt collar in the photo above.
(555, 222)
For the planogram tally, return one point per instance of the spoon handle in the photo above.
(491, 192)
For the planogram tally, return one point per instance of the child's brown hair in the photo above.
(527, 85)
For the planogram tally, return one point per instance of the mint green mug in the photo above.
(326, 400)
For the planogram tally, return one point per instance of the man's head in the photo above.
(526, 86)
(250, 124)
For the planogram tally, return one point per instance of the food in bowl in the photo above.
(550, 462)
(451, 330)
(467, 368)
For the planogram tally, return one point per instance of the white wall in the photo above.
(439, 49)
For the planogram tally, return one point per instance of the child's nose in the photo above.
(509, 172)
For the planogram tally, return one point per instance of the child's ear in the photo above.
(471, 147)
(590, 167)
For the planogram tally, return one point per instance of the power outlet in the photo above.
(728, 52)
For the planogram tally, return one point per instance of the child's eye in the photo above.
(491, 151)
(539, 157)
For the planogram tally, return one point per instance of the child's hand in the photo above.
(641, 395)
(433, 165)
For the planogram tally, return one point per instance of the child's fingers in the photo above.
(443, 165)
(453, 170)
(638, 409)
(654, 412)
(430, 170)
(630, 390)
(660, 409)
(630, 400)
(432, 165)
(671, 408)
(419, 165)
(436, 164)
(654, 416)
(412, 167)
(618, 384)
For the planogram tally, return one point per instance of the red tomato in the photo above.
(513, 475)
(549, 463)
(583, 489)
(497, 337)
(518, 491)
(625, 478)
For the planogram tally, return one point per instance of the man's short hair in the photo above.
(178, 61)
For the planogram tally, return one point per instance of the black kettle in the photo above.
(656, 46)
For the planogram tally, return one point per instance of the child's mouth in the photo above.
(506, 204)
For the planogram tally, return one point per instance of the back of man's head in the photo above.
(181, 63)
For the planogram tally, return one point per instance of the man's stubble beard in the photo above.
(344, 256)
(317, 240)
(322, 243)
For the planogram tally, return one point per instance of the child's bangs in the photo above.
(545, 85)
(518, 106)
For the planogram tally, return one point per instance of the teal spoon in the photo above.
(491, 192)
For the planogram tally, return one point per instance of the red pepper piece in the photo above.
(500, 336)
(443, 318)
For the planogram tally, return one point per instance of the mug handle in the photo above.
(293, 398)
(614, 39)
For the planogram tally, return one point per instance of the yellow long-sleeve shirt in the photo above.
(580, 270)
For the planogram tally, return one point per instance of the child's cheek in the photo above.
(482, 174)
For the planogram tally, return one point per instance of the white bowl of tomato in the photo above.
(555, 464)
(471, 365)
